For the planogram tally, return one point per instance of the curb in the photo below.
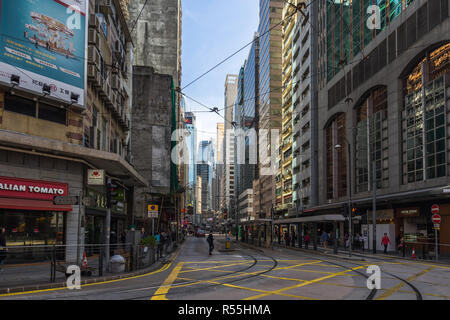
(155, 266)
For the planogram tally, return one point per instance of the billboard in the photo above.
(43, 42)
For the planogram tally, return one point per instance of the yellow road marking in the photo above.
(426, 294)
(324, 272)
(298, 265)
(401, 284)
(215, 267)
(163, 268)
(251, 289)
(304, 283)
(160, 294)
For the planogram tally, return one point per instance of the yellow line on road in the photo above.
(163, 268)
(298, 265)
(401, 284)
(160, 294)
(215, 267)
(304, 283)
(324, 272)
(251, 289)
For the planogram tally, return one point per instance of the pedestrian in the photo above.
(347, 242)
(306, 241)
(324, 239)
(356, 241)
(385, 242)
(143, 233)
(3, 249)
(286, 238)
(293, 238)
(210, 240)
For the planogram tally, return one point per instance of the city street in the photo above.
(255, 274)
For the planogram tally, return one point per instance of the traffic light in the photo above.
(111, 194)
(344, 210)
(225, 214)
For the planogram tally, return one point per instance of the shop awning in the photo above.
(35, 205)
(318, 218)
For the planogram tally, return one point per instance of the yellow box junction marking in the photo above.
(160, 294)
(304, 283)
(402, 284)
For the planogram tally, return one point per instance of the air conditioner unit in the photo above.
(93, 22)
(93, 37)
(105, 6)
(93, 56)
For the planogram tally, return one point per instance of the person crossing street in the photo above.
(210, 240)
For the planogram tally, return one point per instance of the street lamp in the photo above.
(338, 147)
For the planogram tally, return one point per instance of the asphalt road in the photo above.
(249, 274)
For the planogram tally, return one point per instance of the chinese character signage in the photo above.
(43, 42)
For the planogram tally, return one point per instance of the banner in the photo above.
(43, 42)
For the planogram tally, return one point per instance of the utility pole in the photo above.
(108, 221)
(374, 210)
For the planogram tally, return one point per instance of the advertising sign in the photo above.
(96, 177)
(43, 42)
(31, 189)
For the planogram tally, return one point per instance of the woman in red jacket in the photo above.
(385, 242)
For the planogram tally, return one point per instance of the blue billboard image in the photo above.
(45, 40)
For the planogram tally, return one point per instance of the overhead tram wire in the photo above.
(135, 22)
(236, 52)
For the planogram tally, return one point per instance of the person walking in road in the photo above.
(210, 240)
(385, 242)
(286, 238)
(306, 241)
(3, 248)
(293, 238)
(324, 239)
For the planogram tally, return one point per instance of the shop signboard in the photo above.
(407, 212)
(65, 200)
(96, 177)
(31, 189)
(43, 42)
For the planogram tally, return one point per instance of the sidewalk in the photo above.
(356, 255)
(36, 276)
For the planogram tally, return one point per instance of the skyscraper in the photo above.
(191, 143)
(270, 75)
(228, 150)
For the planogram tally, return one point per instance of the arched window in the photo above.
(371, 138)
(424, 117)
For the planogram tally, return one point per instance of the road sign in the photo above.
(152, 210)
(434, 208)
(65, 200)
(436, 219)
(437, 226)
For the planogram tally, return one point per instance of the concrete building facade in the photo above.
(49, 144)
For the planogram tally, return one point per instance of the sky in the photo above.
(212, 31)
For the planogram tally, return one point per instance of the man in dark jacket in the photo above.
(210, 240)
(3, 248)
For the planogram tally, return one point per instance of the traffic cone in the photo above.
(414, 253)
(85, 264)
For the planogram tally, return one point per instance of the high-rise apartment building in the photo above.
(283, 179)
(205, 160)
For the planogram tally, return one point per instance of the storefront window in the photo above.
(32, 227)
